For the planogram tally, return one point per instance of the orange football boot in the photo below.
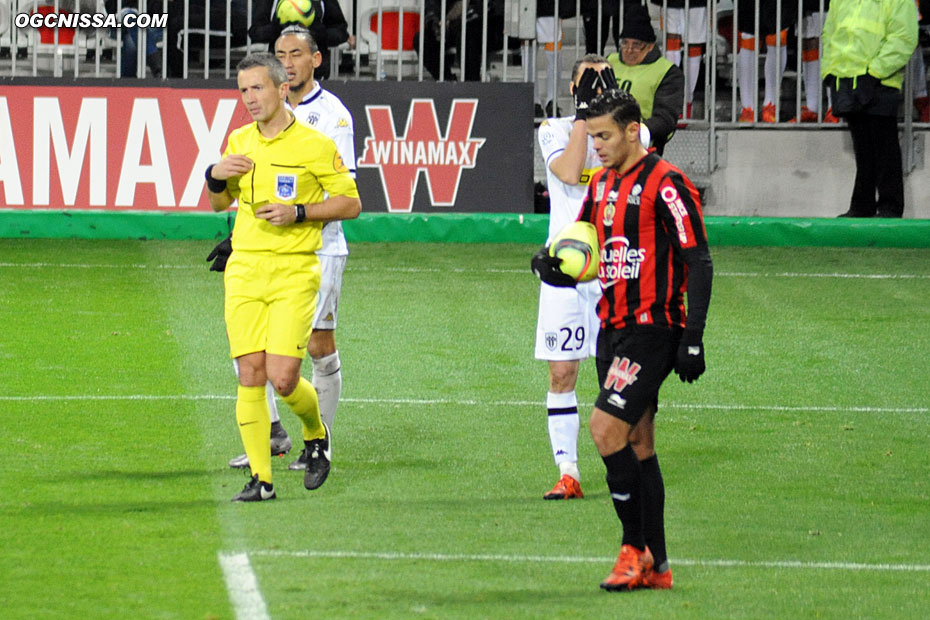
(630, 571)
(658, 581)
(768, 113)
(566, 488)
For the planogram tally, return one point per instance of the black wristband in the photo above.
(214, 185)
(301, 213)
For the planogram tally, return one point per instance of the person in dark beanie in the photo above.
(656, 84)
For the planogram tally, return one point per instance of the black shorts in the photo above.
(631, 366)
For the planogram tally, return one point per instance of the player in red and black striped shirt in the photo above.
(653, 249)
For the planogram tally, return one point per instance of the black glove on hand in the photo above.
(220, 254)
(585, 91)
(608, 80)
(546, 268)
(689, 363)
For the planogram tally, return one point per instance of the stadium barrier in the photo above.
(459, 228)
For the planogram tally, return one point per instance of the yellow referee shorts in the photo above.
(270, 301)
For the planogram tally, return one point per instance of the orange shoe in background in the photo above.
(630, 571)
(747, 115)
(829, 117)
(807, 116)
(566, 488)
(658, 581)
(768, 113)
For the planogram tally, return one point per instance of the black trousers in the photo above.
(878, 166)
(610, 13)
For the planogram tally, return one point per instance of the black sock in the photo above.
(654, 510)
(625, 481)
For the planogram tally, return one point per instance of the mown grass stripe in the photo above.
(466, 402)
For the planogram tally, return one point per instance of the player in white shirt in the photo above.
(319, 108)
(567, 323)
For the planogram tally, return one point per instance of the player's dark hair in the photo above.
(619, 104)
(594, 59)
(303, 33)
(269, 61)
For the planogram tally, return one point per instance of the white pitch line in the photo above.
(540, 559)
(242, 585)
(465, 402)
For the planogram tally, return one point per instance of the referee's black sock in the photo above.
(654, 511)
(625, 482)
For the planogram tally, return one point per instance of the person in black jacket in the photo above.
(434, 23)
(329, 28)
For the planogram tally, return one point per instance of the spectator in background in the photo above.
(196, 20)
(432, 33)
(775, 30)
(329, 28)
(549, 37)
(811, 24)
(591, 17)
(130, 37)
(694, 24)
(866, 48)
(656, 84)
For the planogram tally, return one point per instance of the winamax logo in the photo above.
(440, 157)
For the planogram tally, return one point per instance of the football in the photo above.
(577, 246)
(295, 12)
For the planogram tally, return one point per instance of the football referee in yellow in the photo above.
(289, 180)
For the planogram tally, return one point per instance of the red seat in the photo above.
(390, 20)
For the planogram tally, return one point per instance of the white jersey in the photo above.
(564, 199)
(324, 111)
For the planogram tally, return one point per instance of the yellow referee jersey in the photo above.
(296, 166)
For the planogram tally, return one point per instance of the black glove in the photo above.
(608, 80)
(585, 91)
(689, 363)
(546, 268)
(220, 254)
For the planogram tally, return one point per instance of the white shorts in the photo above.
(697, 24)
(327, 300)
(567, 324)
(812, 25)
(545, 30)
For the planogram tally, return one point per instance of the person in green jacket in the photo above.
(866, 47)
(641, 70)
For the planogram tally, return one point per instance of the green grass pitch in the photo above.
(796, 468)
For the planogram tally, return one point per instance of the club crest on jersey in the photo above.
(286, 187)
(313, 118)
(552, 340)
(609, 212)
(622, 373)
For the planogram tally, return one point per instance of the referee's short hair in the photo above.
(619, 104)
(303, 33)
(269, 61)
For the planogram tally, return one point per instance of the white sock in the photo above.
(694, 66)
(746, 85)
(272, 403)
(771, 75)
(552, 79)
(327, 379)
(920, 74)
(563, 424)
(812, 82)
(674, 57)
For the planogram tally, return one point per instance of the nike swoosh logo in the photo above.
(620, 496)
(266, 494)
(247, 423)
(328, 452)
(301, 347)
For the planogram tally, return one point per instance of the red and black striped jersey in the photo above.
(644, 218)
